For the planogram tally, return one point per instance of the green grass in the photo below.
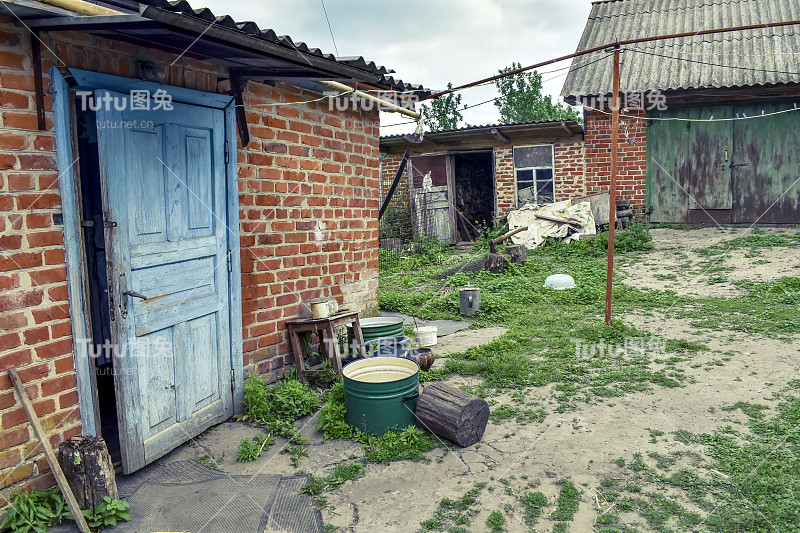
(496, 521)
(453, 515)
(567, 504)
(339, 475)
(545, 326)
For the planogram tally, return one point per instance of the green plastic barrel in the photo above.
(381, 326)
(381, 393)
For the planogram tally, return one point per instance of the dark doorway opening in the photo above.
(100, 345)
(473, 180)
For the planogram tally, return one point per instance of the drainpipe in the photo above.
(383, 103)
(79, 6)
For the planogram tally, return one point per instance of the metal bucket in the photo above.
(469, 300)
(381, 393)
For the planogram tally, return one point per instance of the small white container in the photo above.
(560, 282)
(426, 335)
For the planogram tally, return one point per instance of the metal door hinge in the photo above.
(230, 263)
(106, 224)
(233, 381)
(227, 154)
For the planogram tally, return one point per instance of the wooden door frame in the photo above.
(69, 187)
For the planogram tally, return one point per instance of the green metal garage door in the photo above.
(739, 171)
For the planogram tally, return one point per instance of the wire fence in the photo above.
(407, 228)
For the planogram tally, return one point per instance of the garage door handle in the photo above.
(134, 294)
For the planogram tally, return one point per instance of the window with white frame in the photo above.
(533, 169)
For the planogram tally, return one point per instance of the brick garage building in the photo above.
(225, 238)
(482, 172)
(709, 132)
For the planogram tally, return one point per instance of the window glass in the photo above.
(533, 156)
(534, 173)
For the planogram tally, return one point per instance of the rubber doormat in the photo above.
(189, 497)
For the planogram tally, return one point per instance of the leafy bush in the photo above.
(332, 415)
(398, 445)
(36, 511)
(285, 400)
(108, 513)
(250, 449)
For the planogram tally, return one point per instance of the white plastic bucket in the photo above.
(426, 335)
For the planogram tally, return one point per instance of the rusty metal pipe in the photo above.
(609, 45)
(612, 186)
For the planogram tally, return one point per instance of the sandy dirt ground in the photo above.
(662, 268)
(578, 445)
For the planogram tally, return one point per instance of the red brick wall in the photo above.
(632, 159)
(390, 163)
(308, 185)
(568, 170)
(504, 180)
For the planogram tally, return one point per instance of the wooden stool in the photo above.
(326, 329)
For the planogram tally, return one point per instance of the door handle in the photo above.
(134, 294)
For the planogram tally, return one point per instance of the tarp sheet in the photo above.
(530, 215)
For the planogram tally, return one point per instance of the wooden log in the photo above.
(495, 263)
(518, 253)
(453, 414)
(89, 470)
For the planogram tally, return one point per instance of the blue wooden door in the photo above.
(164, 185)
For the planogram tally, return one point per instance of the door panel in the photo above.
(710, 147)
(666, 183)
(432, 212)
(164, 181)
(766, 165)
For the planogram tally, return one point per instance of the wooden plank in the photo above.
(599, 205)
(44, 442)
(667, 143)
(234, 260)
(93, 80)
(74, 252)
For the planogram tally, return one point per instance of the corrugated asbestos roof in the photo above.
(252, 29)
(532, 125)
(372, 73)
(750, 58)
(480, 137)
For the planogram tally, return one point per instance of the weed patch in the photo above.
(453, 515)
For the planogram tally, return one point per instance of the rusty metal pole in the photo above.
(612, 189)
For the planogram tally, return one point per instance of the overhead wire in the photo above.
(681, 119)
(495, 98)
(754, 69)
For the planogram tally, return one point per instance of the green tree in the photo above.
(443, 113)
(521, 99)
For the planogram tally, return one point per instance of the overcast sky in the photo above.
(430, 42)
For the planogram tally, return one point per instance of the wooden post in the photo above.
(518, 253)
(612, 198)
(89, 470)
(44, 442)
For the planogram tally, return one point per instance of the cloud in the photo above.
(431, 42)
